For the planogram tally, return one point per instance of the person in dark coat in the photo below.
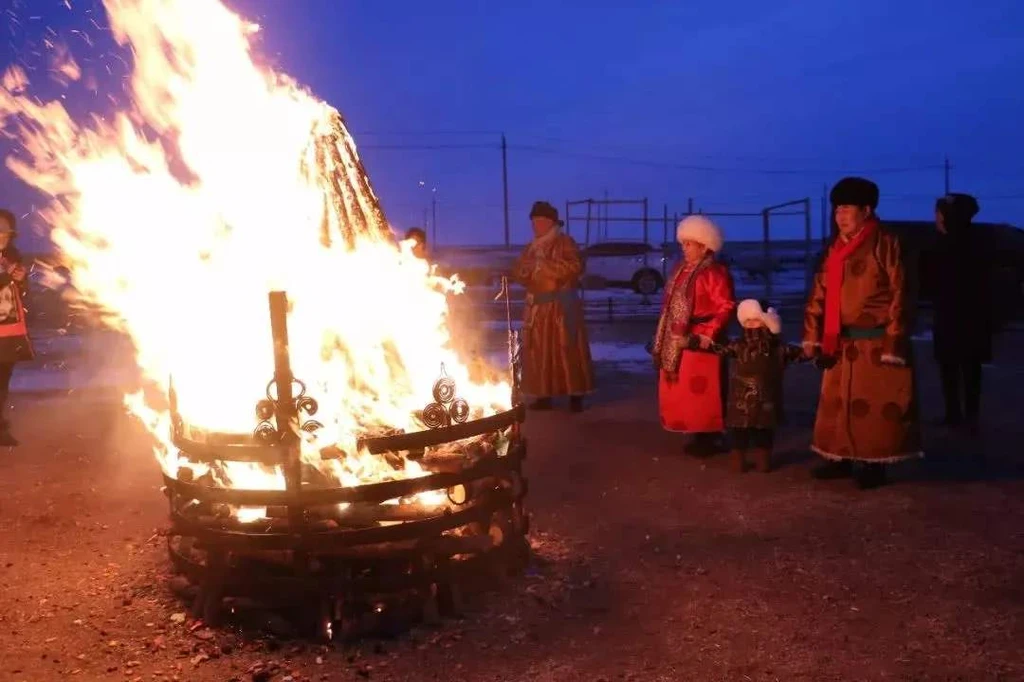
(962, 329)
(14, 342)
(419, 238)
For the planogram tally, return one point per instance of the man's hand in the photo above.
(18, 272)
(809, 350)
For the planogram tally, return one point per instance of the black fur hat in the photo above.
(854, 192)
(542, 209)
(957, 207)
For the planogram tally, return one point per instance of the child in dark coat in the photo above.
(759, 360)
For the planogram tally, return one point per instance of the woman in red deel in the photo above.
(698, 303)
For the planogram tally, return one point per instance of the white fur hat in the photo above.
(700, 229)
(750, 309)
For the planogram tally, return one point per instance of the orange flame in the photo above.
(249, 184)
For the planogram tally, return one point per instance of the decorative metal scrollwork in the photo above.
(267, 408)
(446, 408)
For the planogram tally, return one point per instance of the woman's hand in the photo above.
(704, 342)
(671, 377)
(17, 272)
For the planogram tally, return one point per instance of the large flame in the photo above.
(224, 180)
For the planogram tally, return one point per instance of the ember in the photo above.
(221, 182)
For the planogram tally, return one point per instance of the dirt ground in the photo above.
(650, 565)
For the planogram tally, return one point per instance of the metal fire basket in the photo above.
(335, 548)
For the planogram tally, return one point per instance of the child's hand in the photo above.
(705, 342)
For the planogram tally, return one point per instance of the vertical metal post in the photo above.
(689, 206)
(568, 230)
(664, 242)
(808, 236)
(586, 229)
(433, 218)
(504, 185)
(285, 409)
(826, 227)
(945, 168)
(767, 253)
(646, 238)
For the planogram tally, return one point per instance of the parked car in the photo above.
(634, 264)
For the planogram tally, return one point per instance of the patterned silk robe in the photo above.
(691, 401)
(556, 352)
(15, 345)
(867, 409)
(759, 361)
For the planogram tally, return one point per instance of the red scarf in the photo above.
(834, 284)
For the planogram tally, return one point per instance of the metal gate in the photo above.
(769, 264)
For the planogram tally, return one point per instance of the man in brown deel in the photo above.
(858, 316)
(556, 358)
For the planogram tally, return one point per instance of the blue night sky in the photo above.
(737, 104)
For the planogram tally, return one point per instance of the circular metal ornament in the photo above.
(435, 416)
(459, 411)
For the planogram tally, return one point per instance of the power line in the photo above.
(718, 169)
(421, 147)
(425, 133)
(653, 163)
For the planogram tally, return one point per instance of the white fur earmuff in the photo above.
(750, 309)
(700, 229)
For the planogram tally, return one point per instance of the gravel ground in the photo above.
(649, 565)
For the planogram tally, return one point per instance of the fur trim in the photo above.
(750, 309)
(700, 229)
(878, 460)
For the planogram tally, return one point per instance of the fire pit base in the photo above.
(344, 558)
(395, 551)
(342, 598)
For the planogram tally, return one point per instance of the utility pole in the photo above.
(504, 184)
(433, 216)
(605, 207)
(945, 167)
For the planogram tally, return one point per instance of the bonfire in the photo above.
(221, 181)
(338, 447)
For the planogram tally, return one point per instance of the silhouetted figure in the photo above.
(420, 248)
(14, 342)
(963, 309)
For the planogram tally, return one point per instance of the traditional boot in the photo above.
(871, 476)
(737, 461)
(763, 460)
(702, 445)
(575, 403)
(6, 439)
(541, 404)
(832, 469)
